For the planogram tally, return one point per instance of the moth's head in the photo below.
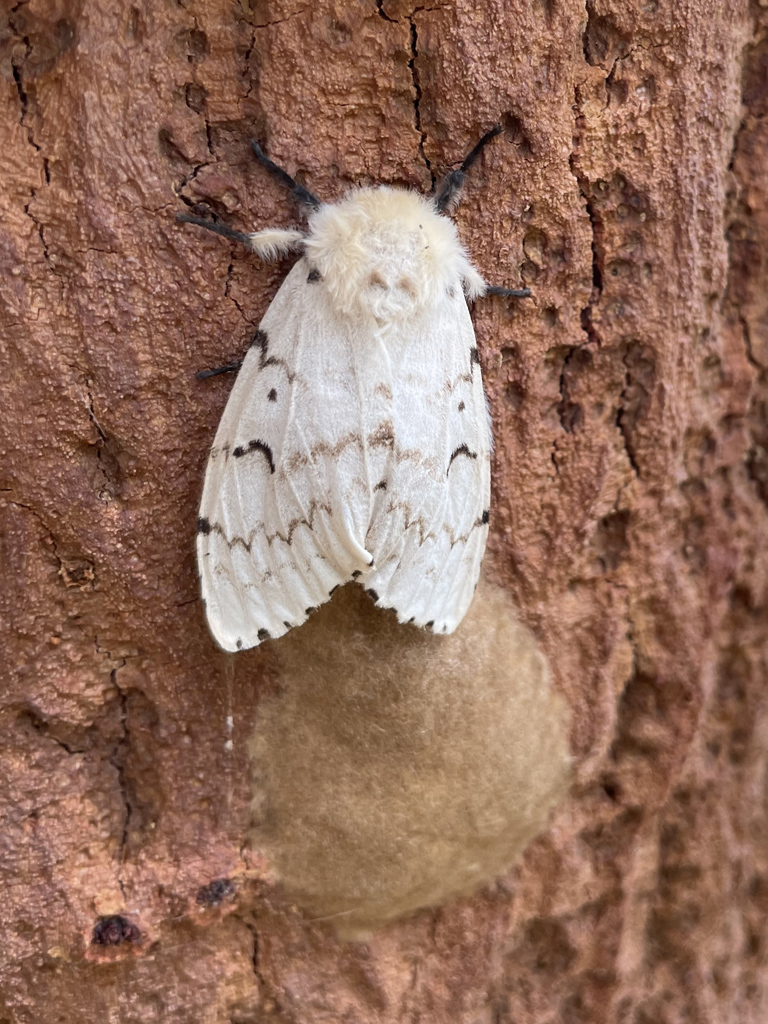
(386, 254)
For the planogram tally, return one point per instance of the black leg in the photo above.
(449, 192)
(229, 368)
(299, 193)
(508, 293)
(211, 225)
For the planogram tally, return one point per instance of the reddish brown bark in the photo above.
(630, 490)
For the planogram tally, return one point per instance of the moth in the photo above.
(355, 444)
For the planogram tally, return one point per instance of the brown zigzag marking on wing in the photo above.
(464, 537)
(410, 520)
(286, 538)
(383, 436)
(450, 385)
(299, 459)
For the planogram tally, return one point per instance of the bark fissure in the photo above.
(281, 21)
(228, 287)
(414, 37)
(247, 61)
(102, 447)
(264, 990)
(117, 758)
(622, 420)
(182, 184)
(49, 532)
(383, 14)
(17, 70)
(43, 727)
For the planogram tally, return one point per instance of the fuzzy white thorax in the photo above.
(386, 253)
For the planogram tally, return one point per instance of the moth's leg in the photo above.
(229, 368)
(448, 194)
(211, 225)
(268, 243)
(508, 293)
(302, 195)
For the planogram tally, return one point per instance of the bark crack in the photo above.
(39, 226)
(101, 444)
(280, 21)
(247, 62)
(261, 983)
(228, 287)
(177, 187)
(588, 312)
(117, 758)
(43, 727)
(383, 14)
(414, 36)
(17, 66)
(17, 69)
(46, 528)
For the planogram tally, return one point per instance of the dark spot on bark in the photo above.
(288, 625)
(430, 624)
(462, 407)
(486, 516)
(308, 611)
(260, 339)
(264, 634)
(239, 451)
(114, 930)
(373, 595)
(239, 644)
(313, 275)
(215, 892)
(203, 525)
(381, 486)
(65, 35)
(272, 396)
(474, 356)
(356, 573)
(196, 97)
(195, 42)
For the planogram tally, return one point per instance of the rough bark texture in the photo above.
(630, 492)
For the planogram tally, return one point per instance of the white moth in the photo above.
(355, 444)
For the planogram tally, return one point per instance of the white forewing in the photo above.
(431, 528)
(346, 453)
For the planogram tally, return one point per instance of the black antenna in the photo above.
(450, 187)
(301, 194)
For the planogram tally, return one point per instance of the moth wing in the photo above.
(430, 526)
(286, 500)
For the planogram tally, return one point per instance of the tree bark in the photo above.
(629, 402)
